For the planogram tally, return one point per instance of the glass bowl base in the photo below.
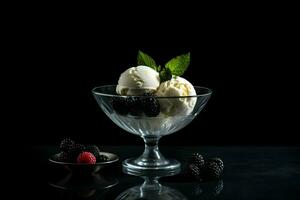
(135, 165)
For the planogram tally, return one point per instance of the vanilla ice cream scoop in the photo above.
(138, 81)
(176, 87)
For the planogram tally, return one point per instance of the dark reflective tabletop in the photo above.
(250, 173)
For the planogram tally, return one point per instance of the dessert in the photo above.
(177, 86)
(149, 79)
(138, 81)
(152, 101)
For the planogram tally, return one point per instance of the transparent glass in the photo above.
(151, 129)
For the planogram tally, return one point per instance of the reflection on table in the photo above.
(151, 188)
(74, 187)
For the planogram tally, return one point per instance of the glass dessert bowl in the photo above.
(166, 116)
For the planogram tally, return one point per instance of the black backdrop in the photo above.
(244, 61)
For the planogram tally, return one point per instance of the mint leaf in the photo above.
(158, 68)
(144, 59)
(179, 64)
(165, 75)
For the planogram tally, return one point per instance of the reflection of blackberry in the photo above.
(218, 188)
(212, 170)
(150, 106)
(66, 144)
(197, 190)
(218, 161)
(208, 190)
(197, 159)
(93, 149)
(119, 105)
(102, 158)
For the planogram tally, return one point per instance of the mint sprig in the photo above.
(144, 59)
(179, 64)
(176, 66)
(165, 75)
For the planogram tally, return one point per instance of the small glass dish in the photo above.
(85, 168)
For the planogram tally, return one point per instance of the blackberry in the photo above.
(119, 105)
(197, 159)
(93, 149)
(212, 170)
(75, 151)
(150, 106)
(66, 144)
(134, 105)
(102, 158)
(194, 171)
(62, 157)
(218, 161)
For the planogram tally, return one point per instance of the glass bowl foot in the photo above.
(136, 165)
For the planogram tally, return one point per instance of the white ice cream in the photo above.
(177, 86)
(138, 81)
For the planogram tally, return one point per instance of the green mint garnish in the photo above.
(176, 66)
(144, 59)
(179, 64)
(165, 75)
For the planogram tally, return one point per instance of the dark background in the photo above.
(245, 58)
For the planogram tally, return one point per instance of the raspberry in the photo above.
(218, 161)
(93, 149)
(150, 106)
(197, 159)
(66, 144)
(86, 157)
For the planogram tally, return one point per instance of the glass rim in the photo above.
(209, 92)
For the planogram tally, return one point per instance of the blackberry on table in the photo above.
(212, 170)
(197, 159)
(218, 161)
(150, 106)
(194, 171)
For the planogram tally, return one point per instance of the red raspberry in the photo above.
(86, 157)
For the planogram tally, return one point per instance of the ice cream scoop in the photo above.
(138, 81)
(177, 86)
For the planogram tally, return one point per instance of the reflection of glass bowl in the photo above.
(151, 129)
(151, 188)
(74, 187)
